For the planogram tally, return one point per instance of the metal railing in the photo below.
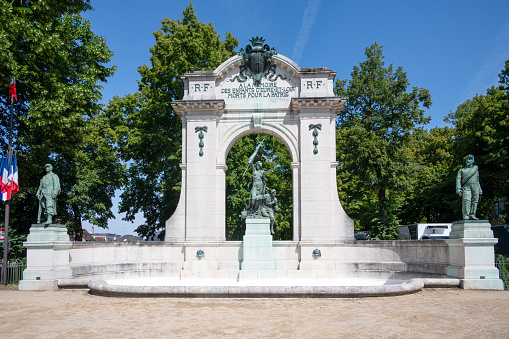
(15, 270)
(502, 263)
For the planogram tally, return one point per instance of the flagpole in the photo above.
(7, 202)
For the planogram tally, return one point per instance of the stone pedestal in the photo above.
(472, 255)
(257, 253)
(47, 257)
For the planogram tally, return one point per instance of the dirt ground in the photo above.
(432, 313)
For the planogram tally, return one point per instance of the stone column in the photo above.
(295, 166)
(472, 255)
(221, 199)
(199, 214)
(321, 216)
(47, 257)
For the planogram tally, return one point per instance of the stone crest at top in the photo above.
(257, 62)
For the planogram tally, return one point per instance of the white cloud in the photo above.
(487, 75)
(307, 23)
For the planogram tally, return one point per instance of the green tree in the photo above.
(280, 179)
(58, 62)
(16, 248)
(378, 120)
(432, 197)
(482, 129)
(149, 131)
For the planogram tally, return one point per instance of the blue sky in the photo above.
(455, 49)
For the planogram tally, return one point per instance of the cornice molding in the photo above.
(185, 107)
(333, 103)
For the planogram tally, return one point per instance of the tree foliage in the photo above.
(58, 61)
(149, 131)
(16, 248)
(482, 129)
(432, 197)
(375, 129)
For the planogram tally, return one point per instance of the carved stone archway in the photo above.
(296, 105)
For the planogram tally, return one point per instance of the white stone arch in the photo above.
(288, 106)
(277, 130)
(237, 132)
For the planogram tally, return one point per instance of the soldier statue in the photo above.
(47, 193)
(269, 207)
(469, 188)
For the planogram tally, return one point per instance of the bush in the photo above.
(502, 264)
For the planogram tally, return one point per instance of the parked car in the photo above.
(361, 235)
(424, 231)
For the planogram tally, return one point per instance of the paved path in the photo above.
(433, 313)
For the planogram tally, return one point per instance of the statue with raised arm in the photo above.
(469, 188)
(257, 185)
(47, 193)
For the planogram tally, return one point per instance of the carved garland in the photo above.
(315, 129)
(200, 136)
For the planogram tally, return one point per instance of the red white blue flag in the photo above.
(12, 89)
(10, 183)
(4, 173)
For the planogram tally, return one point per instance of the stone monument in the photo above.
(260, 219)
(471, 242)
(48, 243)
(259, 91)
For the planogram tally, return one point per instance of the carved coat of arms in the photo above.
(257, 62)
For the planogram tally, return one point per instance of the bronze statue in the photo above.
(47, 193)
(469, 188)
(257, 185)
(268, 208)
(261, 203)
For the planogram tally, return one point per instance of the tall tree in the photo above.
(149, 130)
(482, 129)
(58, 63)
(378, 120)
(432, 197)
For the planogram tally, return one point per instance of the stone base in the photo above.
(47, 257)
(472, 255)
(317, 264)
(258, 265)
(43, 277)
(471, 229)
(482, 284)
(38, 285)
(47, 232)
(206, 268)
(246, 274)
(477, 278)
(257, 252)
(200, 265)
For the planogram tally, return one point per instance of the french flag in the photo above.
(12, 90)
(4, 173)
(10, 183)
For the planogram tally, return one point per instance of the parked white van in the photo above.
(424, 231)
